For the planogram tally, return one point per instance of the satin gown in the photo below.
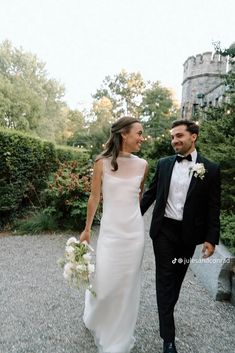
(111, 315)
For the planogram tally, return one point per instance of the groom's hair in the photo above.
(191, 126)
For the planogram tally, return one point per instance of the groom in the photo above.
(186, 188)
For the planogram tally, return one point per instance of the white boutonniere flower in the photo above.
(197, 170)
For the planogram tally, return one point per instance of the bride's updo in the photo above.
(114, 144)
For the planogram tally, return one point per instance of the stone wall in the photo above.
(202, 83)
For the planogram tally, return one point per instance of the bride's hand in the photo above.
(85, 235)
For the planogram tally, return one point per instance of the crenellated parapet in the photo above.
(203, 82)
(206, 63)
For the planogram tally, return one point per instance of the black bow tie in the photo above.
(181, 158)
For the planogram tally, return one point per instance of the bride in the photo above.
(119, 175)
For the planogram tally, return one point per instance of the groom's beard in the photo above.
(183, 149)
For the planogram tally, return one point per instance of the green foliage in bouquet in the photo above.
(76, 264)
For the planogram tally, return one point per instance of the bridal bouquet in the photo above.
(77, 263)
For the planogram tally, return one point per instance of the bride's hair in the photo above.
(114, 143)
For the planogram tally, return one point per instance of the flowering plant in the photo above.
(77, 263)
(198, 170)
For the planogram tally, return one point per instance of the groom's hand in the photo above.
(207, 250)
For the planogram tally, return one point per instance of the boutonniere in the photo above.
(197, 170)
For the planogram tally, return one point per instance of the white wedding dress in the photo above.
(111, 315)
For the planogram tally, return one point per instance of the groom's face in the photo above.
(182, 140)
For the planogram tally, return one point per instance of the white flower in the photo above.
(69, 249)
(68, 267)
(72, 240)
(67, 275)
(87, 245)
(70, 257)
(87, 258)
(91, 268)
(198, 170)
(81, 268)
(77, 264)
(68, 270)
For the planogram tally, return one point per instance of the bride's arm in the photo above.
(93, 200)
(143, 181)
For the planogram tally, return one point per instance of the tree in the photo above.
(127, 93)
(217, 137)
(74, 121)
(102, 111)
(217, 141)
(158, 109)
(124, 91)
(29, 100)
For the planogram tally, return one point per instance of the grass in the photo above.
(37, 223)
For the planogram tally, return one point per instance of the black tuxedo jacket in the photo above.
(201, 215)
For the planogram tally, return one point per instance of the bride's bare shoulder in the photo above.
(98, 165)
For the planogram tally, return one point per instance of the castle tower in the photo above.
(202, 83)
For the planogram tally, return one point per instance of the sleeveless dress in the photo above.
(111, 315)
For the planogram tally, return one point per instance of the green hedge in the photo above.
(67, 153)
(25, 165)
(228, 230)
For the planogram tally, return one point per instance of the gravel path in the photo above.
(40, 314)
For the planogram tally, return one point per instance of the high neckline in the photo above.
(124, 154)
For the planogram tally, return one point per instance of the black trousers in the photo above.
(172, 260)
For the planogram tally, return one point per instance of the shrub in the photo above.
(155, 149)
(228, 230)
(217, 142)
(67, 153)
(25, 165)
(67, 194)
(36, 223)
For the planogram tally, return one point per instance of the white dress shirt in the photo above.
(179, 184)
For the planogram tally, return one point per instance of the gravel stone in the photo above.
(41, 314)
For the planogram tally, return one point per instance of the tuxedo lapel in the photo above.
(194, 180)
(168, 173)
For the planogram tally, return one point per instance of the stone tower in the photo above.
(202, 83)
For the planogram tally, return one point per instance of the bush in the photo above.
(25, 165)
(155, 149)
(228, 230)
(36, 223)
(67, 153)
(67, 194)
(217, 142)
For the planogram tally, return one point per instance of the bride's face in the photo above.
(133, 139)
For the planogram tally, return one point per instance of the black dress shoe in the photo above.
(169, 347)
